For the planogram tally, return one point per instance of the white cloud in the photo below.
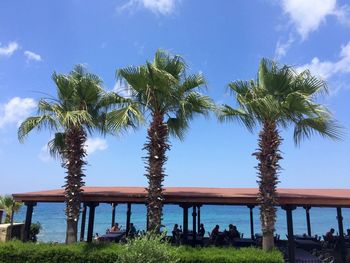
(163, 7)
(327, 69)
(282, 47)
(44, 154)
(308, 15)
(91, 145)
(32, 56)
(8, 50)
(15, 110)
(95, 144)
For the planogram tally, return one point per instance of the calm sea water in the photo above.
(52, 218)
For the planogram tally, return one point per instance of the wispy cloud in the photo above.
(162, 7)
(331, 70)
(8, 50)
(15, 110)
(32, 56)
(95, 144)
(282, 47)
(308, 15)
(327, 69)
(44, 154)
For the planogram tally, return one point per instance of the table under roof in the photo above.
(198, 195)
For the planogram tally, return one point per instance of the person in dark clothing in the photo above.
(201, 231)
(215, 234)
(132, 231)
(176, 234)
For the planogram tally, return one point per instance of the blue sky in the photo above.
(223, 39)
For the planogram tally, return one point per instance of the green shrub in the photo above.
(145, 249)
(34, 231)
(228, 255)
(16, 251)
(148, 248)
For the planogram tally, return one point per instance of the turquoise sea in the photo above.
(52, 218)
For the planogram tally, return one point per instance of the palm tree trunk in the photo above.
(156, 146)
(74, 154)
(268, 155)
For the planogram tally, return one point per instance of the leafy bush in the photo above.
(16, 251)
(145, 249)
(34, 231)
(149, 248)
(228, 255)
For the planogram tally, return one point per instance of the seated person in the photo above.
(215, 232)
(115, 228)
(329, 235)
(201, 231)
(348, 233)
(132, 231)
(176, 231)
(233, 232)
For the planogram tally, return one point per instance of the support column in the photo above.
(185, 221)
(147, 218)
(83, 221)
(28, 222)
(194, 222)
(198, 217)
(341, 234)
(251, 221)
(308, 224)
(90, 232)
(128, 218)
(291, 246)
(1, 214)
(113, 214)
(11, 219)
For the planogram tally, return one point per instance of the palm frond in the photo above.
(191, 82)
(124, 118)
(228, 114)
(57, 145)
(77, 118)
(324, 126)
(38, 122)
(177, 127)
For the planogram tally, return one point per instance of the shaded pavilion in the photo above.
(195, 197)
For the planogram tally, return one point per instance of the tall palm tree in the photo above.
(171, 98)
(9, 206)
(81, 107)
(280, 97)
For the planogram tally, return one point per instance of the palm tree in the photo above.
(280, 97)
(9, 206)
(81, 107)
(171, 98)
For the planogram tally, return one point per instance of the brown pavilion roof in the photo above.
(197, 195)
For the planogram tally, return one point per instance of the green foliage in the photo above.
(57, 253)
(164, 86)
(149, 248)
(8, 205)
(228, 255)
(16, 251)
(81, 102)
(34, 231)
(283, 96)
